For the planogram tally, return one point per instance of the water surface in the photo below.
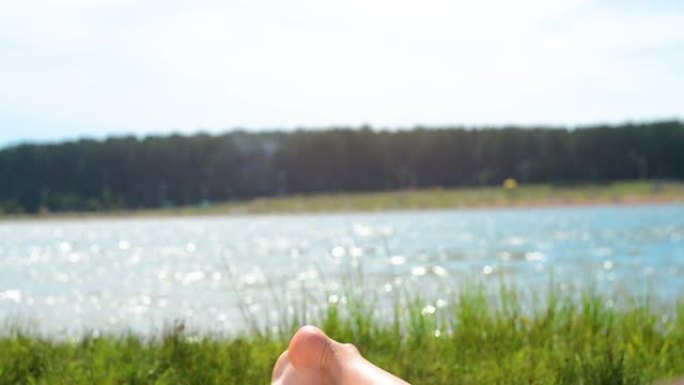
(72, 276)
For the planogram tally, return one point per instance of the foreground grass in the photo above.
(475, 339)
(628, 192)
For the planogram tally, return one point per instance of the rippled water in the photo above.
(112, 274)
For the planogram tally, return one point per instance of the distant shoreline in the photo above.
(472, 198)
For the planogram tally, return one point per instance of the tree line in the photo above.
(131, 172)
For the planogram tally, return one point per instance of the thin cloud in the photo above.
(118, 66)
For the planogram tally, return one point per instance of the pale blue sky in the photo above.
(92, 68)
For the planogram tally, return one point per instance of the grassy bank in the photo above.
(540, 195)
(473, 339)
(476, 197)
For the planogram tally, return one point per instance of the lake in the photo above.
(81, 275)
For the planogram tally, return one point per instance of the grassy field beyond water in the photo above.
(453, 198)
(474, 338)
(535, 195)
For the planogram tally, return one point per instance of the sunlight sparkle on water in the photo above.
(113, 274)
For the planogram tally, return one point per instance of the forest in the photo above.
(162, 171)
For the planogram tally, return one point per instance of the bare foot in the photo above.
(315, 359)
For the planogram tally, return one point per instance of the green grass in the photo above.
(627, 192)
(477, 338)
(475, 197)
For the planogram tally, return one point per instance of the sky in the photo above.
(94, 68)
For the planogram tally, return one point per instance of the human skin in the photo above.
(313, 358)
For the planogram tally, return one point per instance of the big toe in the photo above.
(313, 353)
(310, 348)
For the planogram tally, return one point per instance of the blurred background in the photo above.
(233, 164)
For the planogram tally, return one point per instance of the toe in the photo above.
(309, 348)
(280, 366)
